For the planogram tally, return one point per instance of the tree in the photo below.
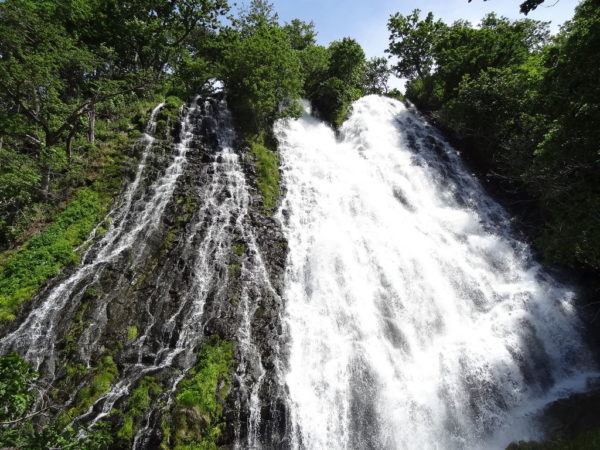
(565, 175)
(412, 41)
(302, 35)
(262, 76)
(526, 109)
(60, 59)
(341, 82)
(144, 36)
(260, 13)
(42, 74)
(461, 49)
(314, 63)
(377, 74)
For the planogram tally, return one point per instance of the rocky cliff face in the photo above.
(170, 328)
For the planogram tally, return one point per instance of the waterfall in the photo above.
(177, 295)
(416, 318)
(408, 315)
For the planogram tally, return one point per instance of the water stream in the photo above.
(417, 320)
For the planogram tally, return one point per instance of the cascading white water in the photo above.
(36, 336)
(416, 320)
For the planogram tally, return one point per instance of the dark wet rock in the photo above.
(572, 416)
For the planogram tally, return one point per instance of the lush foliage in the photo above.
(262, 73)
(197, 418)
(526, 108)
(412, 40)
(100, 382)
(66, 65)
(18, 395)
(266, 67)
(23, 272)
(267, 172)
(340, 82)
(137, 405)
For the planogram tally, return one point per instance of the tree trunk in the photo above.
(44, 158)
(69, 148)
(92, 124)
(45, 182)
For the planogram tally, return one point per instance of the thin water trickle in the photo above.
(35, 338)
(416, 319)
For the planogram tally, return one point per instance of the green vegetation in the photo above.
(167, 116)
(235, 271)
(196, 421)
(132, 333)
(238, 249)
(100, 383)
(76, 327)
(24, 271)
(267, 173)
(137, 405)
(87, 191)
(262, 74)
(525, 108)
(17, 396)
(78, 79)
(68, 68)
(335, 88)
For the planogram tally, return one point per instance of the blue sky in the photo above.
(366, 20)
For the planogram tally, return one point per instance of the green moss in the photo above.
(167, 116)
(77, 370)
(126, 432)
(235, 271)
(267, 171)
(91, 293)
(100, 383)
(43, 256)
(137, 405)
(197, 419)
(165, 428)
(188, 205)
(103, 227)
(106, 373)
(260, 312)
(76, 328)
(132, 333)
(238, 249)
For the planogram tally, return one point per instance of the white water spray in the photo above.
(416, 319)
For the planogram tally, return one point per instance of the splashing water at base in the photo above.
(416, 319)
